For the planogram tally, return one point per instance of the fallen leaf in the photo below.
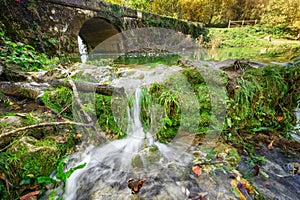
(243, 188)
(228, 149)
(270, 146)
(78, 135)
(31, 194)
(279, 118)
(135, 186)
(197, 170)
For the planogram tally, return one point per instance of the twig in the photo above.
(64, 109)
(40, 125)
(76, 96)
(87, 116)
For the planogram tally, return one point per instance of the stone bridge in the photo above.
(53, 26)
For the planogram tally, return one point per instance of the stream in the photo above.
(165, 170)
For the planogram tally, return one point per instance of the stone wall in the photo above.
(52, 26)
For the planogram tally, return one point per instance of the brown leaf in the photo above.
(228, 150)
(270, 146)
(135, 186)
(31, 194)
(197, 170)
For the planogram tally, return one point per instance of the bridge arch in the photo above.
(96, 30)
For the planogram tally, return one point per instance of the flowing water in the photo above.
(167, 168)
(138, 156)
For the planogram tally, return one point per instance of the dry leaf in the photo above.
(243, 188)
(228, 149)
(197, 170)
(279, 118)
(31, 194)
(78, 136)
(270, 146)
(135, 186)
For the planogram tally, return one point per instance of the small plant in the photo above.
(61, 175)
(22, 54)
(59, 100)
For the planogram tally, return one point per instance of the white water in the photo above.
(110, 165)
(115, 156)
(82, 50)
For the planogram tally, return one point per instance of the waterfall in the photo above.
(82, 50)
(109, 163)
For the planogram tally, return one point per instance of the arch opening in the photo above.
(96, 30)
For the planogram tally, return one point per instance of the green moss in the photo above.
(58, 100)
(106, 115)
(261, 97)
(177, 98)
(29, 158)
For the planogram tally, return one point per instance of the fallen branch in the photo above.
(3, 135)
(84, 86)
(87, 116)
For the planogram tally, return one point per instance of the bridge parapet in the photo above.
(53, 25)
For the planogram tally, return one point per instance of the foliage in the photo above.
(234, 37)
(272, 12)
(59, 100)
(21, 54)
(261, 97)
(106, 116)
(283, 12)
(61, 175)
(169, 107)
(262, 30)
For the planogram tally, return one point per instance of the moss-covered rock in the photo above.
(146, 157)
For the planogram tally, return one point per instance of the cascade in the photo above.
(82, 50)
(139, 155)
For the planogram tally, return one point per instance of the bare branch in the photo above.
(11, 133)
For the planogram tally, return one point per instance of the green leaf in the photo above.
(229, 123)
(45, 179)
(168, 121)
(63, 176)
(25, 181)
(261, 129)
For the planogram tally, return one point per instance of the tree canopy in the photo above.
(273, 12)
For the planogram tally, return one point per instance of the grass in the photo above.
(234, 37)
(260, 98)
(27, 158)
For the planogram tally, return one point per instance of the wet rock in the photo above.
(146, 157)
(139, 76)
(26, 90)
(2, 68)
(285, 64)
(94, 73)
(274, 179)
(8, 123)
(11, 121)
